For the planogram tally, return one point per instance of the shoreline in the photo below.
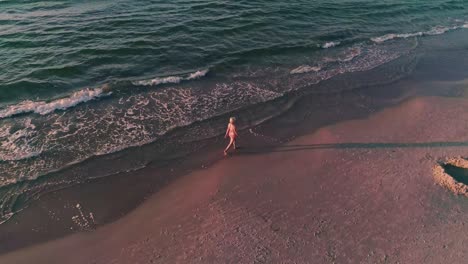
(58, 214)
(54, 215)
(384, 206)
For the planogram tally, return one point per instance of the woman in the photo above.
(232, 133)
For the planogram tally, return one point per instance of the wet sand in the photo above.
(360, 191)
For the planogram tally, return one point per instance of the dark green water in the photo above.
(80, 80)
(51, 48)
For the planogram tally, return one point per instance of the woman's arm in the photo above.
(227, 132)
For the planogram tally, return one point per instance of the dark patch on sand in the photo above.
(453, 175)
(459, 174)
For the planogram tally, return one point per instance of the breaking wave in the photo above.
(172, 79)
(85, 95)
(434, 31)
(43, 107)
(344, 57)
(330, 44)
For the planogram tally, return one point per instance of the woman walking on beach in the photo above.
(232, 133)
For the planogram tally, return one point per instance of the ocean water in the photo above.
(81, 80)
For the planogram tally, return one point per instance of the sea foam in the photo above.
(172, 79)
(43, 107)
(305, 69)
(434, 31)
(330, 44)
(197, 75)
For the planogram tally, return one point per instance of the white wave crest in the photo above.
(157, 81)
(434, 31)
(43, 108)
(305, 69)
(172, 79)
(197, 75)
(393, 36)
(330, 44)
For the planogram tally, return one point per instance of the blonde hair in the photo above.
(232, 119)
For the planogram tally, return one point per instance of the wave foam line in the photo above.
(305, 69)
(43, 108)
(172, 79)
(434, 31)
(330, 44)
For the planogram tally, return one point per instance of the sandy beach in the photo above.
(359, 191)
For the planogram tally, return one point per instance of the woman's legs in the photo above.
(229, 145)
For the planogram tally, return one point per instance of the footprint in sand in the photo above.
(84, 221)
